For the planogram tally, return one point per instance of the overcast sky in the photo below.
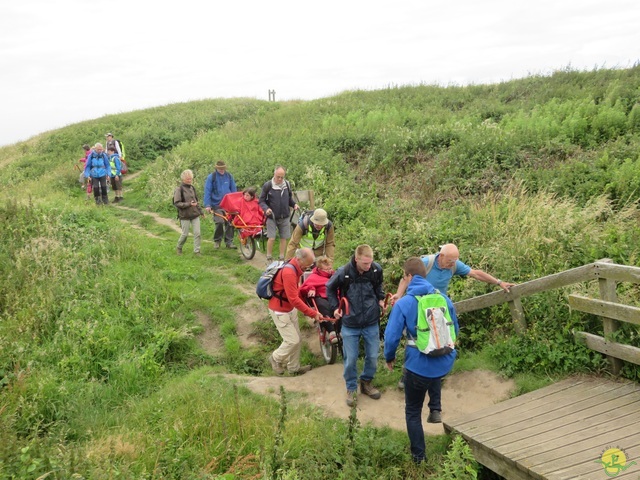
(65, 61)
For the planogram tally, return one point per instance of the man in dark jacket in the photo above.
(186, 201)
(360, 281)
(275, 200)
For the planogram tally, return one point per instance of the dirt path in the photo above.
(462, 393)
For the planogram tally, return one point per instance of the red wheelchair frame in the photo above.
(330, 350)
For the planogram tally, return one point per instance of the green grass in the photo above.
(101, 374)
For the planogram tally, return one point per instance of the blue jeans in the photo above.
(415, 389)
(350, 343)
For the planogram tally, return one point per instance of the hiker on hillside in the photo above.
(185, 199)
(218, 184)
(283, 308)
(116, 144)
(115, 174)
(442, 266)
(86, 184)
(97, 170)
(315, 231)
(424, 373)
(360, 281)
(275, 200)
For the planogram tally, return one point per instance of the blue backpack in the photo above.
(264, 288)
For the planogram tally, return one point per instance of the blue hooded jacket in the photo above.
(97, 165)
(216, 187)
(404, 315)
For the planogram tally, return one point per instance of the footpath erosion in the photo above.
(462, 393)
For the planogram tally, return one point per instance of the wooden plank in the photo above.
(619, 273)
(603, 308)
(508, 411)
(592, 469)
(547, 425)
(557, 280)
(589, 450)
(517, 315)
(599, 344)
(615, 410)
(576, 442)
(608, 292)
(497, 463)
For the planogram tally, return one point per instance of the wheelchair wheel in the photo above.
(329, 350)
(248, 247)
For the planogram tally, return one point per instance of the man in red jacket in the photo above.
(283, 308)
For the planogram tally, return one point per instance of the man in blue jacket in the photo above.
(424, 373)
(217, 185)
(360, 281)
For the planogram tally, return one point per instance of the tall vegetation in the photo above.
(100, 375)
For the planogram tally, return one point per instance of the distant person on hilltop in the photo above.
(115, 174)
(97, 170)
(275, 200)
(116, 144)
(82, 179)
(315, 231)
(216, 186)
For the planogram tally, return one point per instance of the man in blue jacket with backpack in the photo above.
(216, 186)
(424, 372)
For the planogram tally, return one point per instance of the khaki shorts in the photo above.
(283, 226)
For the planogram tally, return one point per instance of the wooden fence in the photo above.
(607, 307)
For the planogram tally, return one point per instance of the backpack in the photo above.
(435, 330)
(264, 288)
(431, 260)
(123, 167)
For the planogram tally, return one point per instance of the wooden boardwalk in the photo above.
(559, 432)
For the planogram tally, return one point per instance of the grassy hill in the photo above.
(100, 374)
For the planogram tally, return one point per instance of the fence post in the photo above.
(517, 315)
(272, 95)
(608, 293)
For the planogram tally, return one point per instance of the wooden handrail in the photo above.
(611, 312)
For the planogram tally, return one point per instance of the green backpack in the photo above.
(436, 331)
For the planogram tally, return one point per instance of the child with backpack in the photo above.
(424, 371)
(315, 287)
(115, 174)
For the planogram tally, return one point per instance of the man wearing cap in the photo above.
(217, 185)
(314, 231)
(116, 144)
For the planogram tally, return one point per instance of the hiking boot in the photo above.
(368, 389)
(231, 246)
(275, 365)
(333, 338)
(401, 385)
(178, 251)
(269, 260)
(302, 370)
(434, 417)
(216, 245)
(352, 397)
